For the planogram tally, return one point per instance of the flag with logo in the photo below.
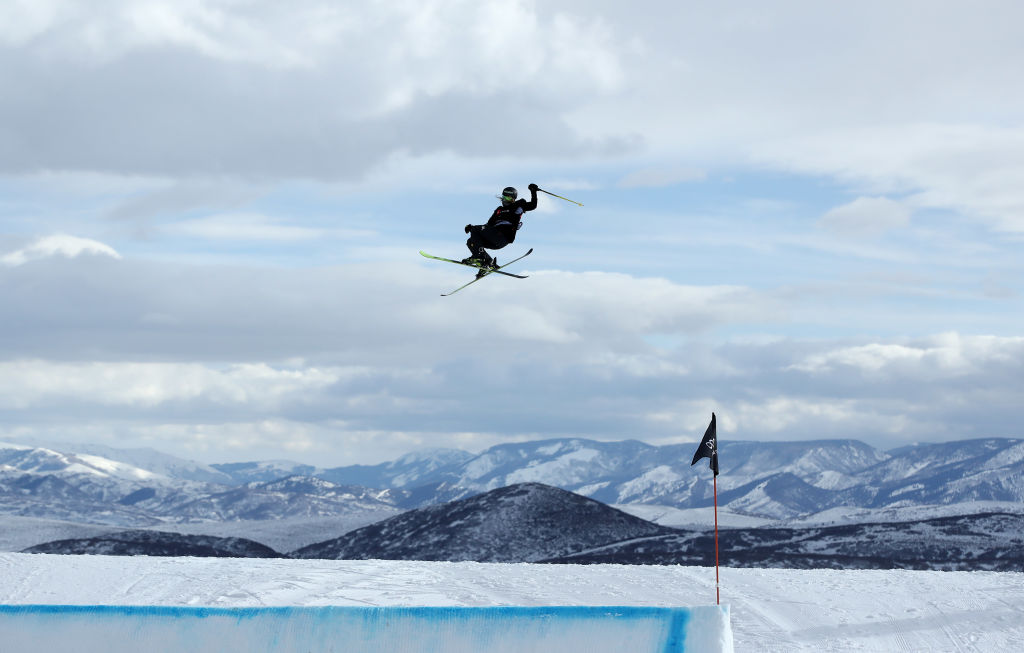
(708, 446)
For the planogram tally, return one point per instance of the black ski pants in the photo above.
(482, 236)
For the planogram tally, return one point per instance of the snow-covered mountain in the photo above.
(77, 487)
(419, 468)
(42, 461)
(632, 472)
(41, 482)
(971, 470)
(147, 459)
(769, 481)
(262, 471)
(416, 469)
(294, 496)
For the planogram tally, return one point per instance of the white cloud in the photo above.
(58, 245)
(444, 98)
(40, 383)
(368, 83)
(930, 390)
(247, 226)
(23, 20)
(656, 177)
(601, 304)
(947, 355)
(139, 309)
(215, 29)
(307, 91)
(866, 216)
(779, 414)
(974, 169)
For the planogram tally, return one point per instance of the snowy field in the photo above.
(772, 610)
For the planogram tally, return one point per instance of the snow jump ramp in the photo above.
(554, 629)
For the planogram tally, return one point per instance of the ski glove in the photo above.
(534, 187)
(468, 227)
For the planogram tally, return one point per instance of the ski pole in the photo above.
(558, 196)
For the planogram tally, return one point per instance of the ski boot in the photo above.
(486, 265)
(481, 260)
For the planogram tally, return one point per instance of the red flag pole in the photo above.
(709, 449)
(718, 593)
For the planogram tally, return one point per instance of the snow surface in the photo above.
(772, 609)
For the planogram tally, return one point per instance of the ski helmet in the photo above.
(508, 196)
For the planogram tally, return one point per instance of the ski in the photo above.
(477, 267)
(483, 272)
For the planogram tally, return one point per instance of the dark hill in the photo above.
(989, 541)
(519, 523)
(156, 543)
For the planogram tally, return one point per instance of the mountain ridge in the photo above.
(773, 481)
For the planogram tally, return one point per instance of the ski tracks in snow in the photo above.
(825, 610)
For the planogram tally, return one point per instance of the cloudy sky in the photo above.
(803, 216)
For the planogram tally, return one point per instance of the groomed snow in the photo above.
(772, 610)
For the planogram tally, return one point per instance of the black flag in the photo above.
(708, 446)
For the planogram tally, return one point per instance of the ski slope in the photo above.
(771, 610)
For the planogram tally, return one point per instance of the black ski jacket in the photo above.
(508, 219)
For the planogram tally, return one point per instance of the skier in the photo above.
(500, 229)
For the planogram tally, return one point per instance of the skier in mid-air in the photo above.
(500, 229)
